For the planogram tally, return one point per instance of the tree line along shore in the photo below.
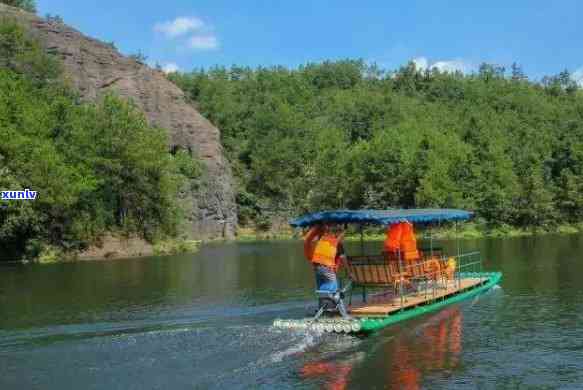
(346, 134)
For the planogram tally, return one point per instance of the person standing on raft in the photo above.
(323, 248)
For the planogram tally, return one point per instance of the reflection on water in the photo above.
(333, 374)
(204, 321)
(436, 345)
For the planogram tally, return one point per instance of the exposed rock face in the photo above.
(95, 68)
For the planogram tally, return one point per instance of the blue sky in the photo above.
(543, 36)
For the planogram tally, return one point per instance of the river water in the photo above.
(204, 321)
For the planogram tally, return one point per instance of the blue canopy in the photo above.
(382, 217)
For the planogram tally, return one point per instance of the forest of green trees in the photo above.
(96, 167)
(337, 134)
(345, 134)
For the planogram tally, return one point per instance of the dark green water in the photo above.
(203, 321)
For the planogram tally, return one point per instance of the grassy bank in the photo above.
(253, 234)
(175, 246)
(115, 247)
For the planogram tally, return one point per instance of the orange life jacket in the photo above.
(401, 237)
(393, 240)
(325, 251)
(408, 242)
(450, 269)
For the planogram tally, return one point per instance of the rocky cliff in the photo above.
(94, 68)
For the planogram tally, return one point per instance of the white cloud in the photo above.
(203, 42)
(179, 26)
(421, 63)
(197, 34)
(170, 67)
(578, 76)
(450, 66)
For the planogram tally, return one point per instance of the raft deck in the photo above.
(385, 304)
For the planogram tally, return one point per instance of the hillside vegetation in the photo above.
(97, 167)
(26, 5)
(347, 135)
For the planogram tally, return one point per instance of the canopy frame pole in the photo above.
(401, 279)
(431, 240)
(361, 229)
(361, 239)
(459, 253)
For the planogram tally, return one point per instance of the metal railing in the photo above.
(426, 277)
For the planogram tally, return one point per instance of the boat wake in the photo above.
(186, 319)
(309, 339)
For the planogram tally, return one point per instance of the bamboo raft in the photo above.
(386, 311)
(410, 285)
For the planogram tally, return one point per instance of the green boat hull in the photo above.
(491, 279)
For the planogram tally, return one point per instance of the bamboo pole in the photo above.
(361, 240)
(459, 259)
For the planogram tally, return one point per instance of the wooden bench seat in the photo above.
(374, 271)
(368, 270)
(385, 271)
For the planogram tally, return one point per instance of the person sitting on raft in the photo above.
(323, 248)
